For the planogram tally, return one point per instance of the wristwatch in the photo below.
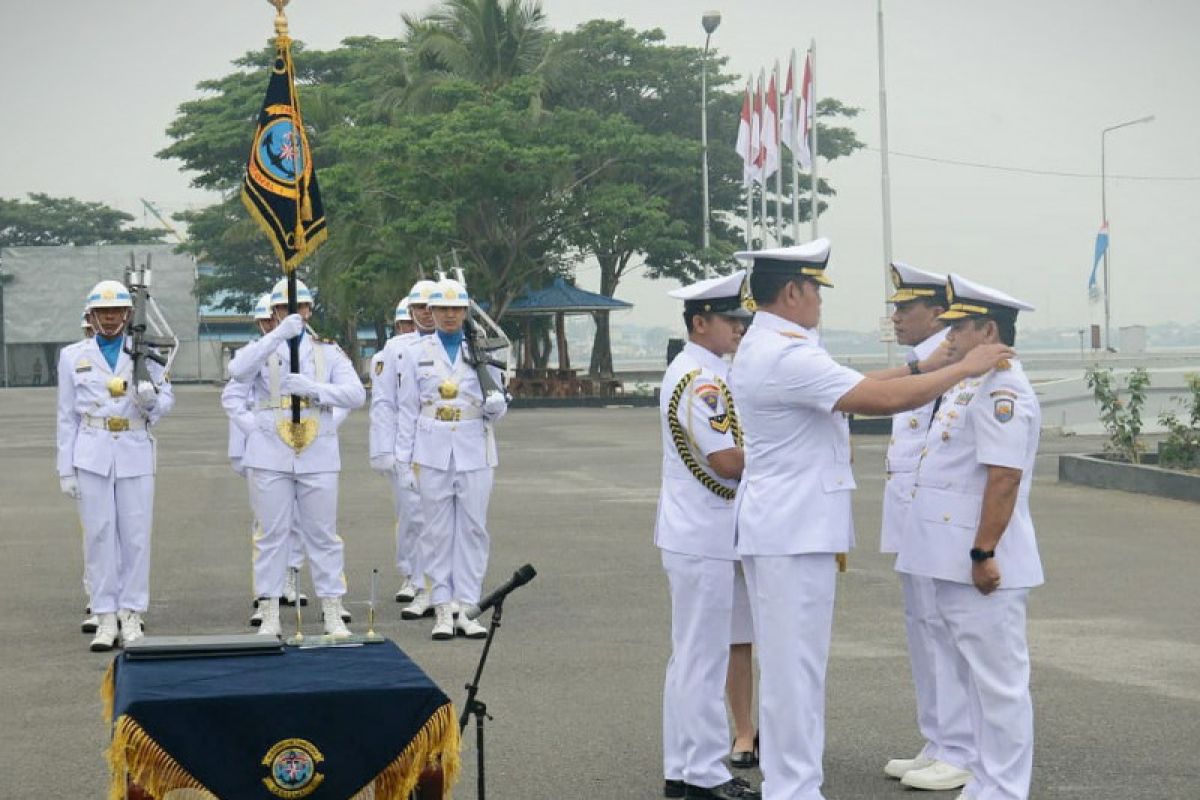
(914, 365)
(979, 556)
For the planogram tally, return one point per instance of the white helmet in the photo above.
(402, 314)
(450, 294)
(262, 309)
(279, 295)
(108, 294)
(421, 291)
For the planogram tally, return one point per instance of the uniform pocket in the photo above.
(946, 508)
(838, 478)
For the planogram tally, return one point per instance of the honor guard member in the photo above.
(385, 382)
(793, 504)
(106, 462)
(942, 716)
(295, 483)
(90, 621)
(702, 461)
(970, 531)
(444, 427)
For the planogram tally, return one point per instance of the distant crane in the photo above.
(163, 221)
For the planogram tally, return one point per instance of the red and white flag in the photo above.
(756, 143)
(770, 129)
(787, 123)
(744, 137)
(807, 117)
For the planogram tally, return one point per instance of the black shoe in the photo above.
(745, 759)
(734, 789)
(672, 788)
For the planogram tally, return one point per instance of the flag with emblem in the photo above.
(280, 188)
(1094, 291)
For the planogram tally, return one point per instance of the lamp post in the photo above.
(1104, 214)
(710, 21)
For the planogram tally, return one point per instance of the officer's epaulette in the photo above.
(792, 335)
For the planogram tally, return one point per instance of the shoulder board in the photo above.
(792, 334)
(324, 340)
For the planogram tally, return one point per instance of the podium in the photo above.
(331, 723)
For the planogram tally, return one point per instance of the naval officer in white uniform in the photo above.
(444, 424)
(702, 461)
(970, 531)
(919, 298)
(106, 462)
(793, 504)
(296, 485)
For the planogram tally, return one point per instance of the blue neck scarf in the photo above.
(111, 348)
(452, 342)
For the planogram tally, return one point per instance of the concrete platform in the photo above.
(574, 680)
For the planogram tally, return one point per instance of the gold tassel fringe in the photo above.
(311, 243)
(437, 743)
(135, 754)
(108, 690)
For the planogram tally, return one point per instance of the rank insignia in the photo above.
(720, 423)
(378, 367)
(963, 398)
(293, 768)
(1003, 409)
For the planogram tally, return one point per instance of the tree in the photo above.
(45, 220)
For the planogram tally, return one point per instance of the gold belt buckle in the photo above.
(285, 402)
(116, 424)
(448, 414)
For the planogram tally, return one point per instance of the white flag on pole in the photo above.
(788, 120)
(806, 117)
(770, 129)
(744, 137)
(756, 143)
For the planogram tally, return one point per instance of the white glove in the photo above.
(494, 403)
(291, 327)
(70, 486)
(300, 385)
(147, 395)
(408, 478)
(384, 464)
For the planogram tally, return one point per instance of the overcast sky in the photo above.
(87, 89)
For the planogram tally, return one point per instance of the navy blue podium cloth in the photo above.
(320, 723)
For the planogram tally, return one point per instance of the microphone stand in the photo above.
(477, 707)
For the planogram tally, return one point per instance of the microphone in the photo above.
(521, 577)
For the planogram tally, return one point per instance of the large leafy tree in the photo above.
(46, 220)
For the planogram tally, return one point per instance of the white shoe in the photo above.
(340, 610)
(469, 628)
(898, 766)
(106, 634)
(407, 591)
(256, 617)
(291, 591)
(443, 625)
(131, 626)
(333, 614)
(90, 623)
(268, 607)
(419, 607)
(937, 777)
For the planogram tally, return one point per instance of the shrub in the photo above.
(1122, 419)
(1182, 446)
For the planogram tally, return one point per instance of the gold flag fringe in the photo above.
(437, 743)
(311, 243)
(108, 690)
(135, 754)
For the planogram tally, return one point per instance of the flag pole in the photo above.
(885, 178)
(779, 149)
(762, 192)
(816, 203)
(794, 137)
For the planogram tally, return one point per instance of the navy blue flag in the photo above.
(280, 188)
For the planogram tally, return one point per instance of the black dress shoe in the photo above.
(745, 759)
(672, 788)
(734, 789)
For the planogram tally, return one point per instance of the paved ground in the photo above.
(574, 679)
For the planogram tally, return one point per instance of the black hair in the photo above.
(1006, 328)
(766, 286)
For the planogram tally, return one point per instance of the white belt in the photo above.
(285, 402)
(448, 413)
(114, 424)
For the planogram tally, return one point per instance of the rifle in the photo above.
(146, 315)
(480, 346)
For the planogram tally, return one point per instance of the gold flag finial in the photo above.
(281, 26)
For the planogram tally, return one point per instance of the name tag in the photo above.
(425, 363)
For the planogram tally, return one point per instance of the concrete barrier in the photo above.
(1101, 472)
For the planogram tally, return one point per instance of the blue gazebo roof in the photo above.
(561, 296)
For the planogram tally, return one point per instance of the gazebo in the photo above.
(558, 299)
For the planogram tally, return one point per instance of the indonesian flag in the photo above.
(807, 116)
(744, 137)
(770, 130)
(788, 121)
(756, 142)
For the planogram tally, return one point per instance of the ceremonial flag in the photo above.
(1094, 290)
(807, 117)
(744, 137)
(788, 120)
(756, 143)
(280, 188)
(770, 130)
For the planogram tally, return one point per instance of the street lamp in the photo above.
(710, 21)
(1104, 214)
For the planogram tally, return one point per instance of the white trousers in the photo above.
(295, 543)
(117, 515)
(741, 629)
(792, 600)
(943, 716)
(992, 659)
(306, 502)
(410, 521)
(455, 541)
(695, 728)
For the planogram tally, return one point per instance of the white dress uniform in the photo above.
(441, 427)
(994, 420)
(410, 518)
(942, 716)
(694, 531)
(290, 488)
(105, 442)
